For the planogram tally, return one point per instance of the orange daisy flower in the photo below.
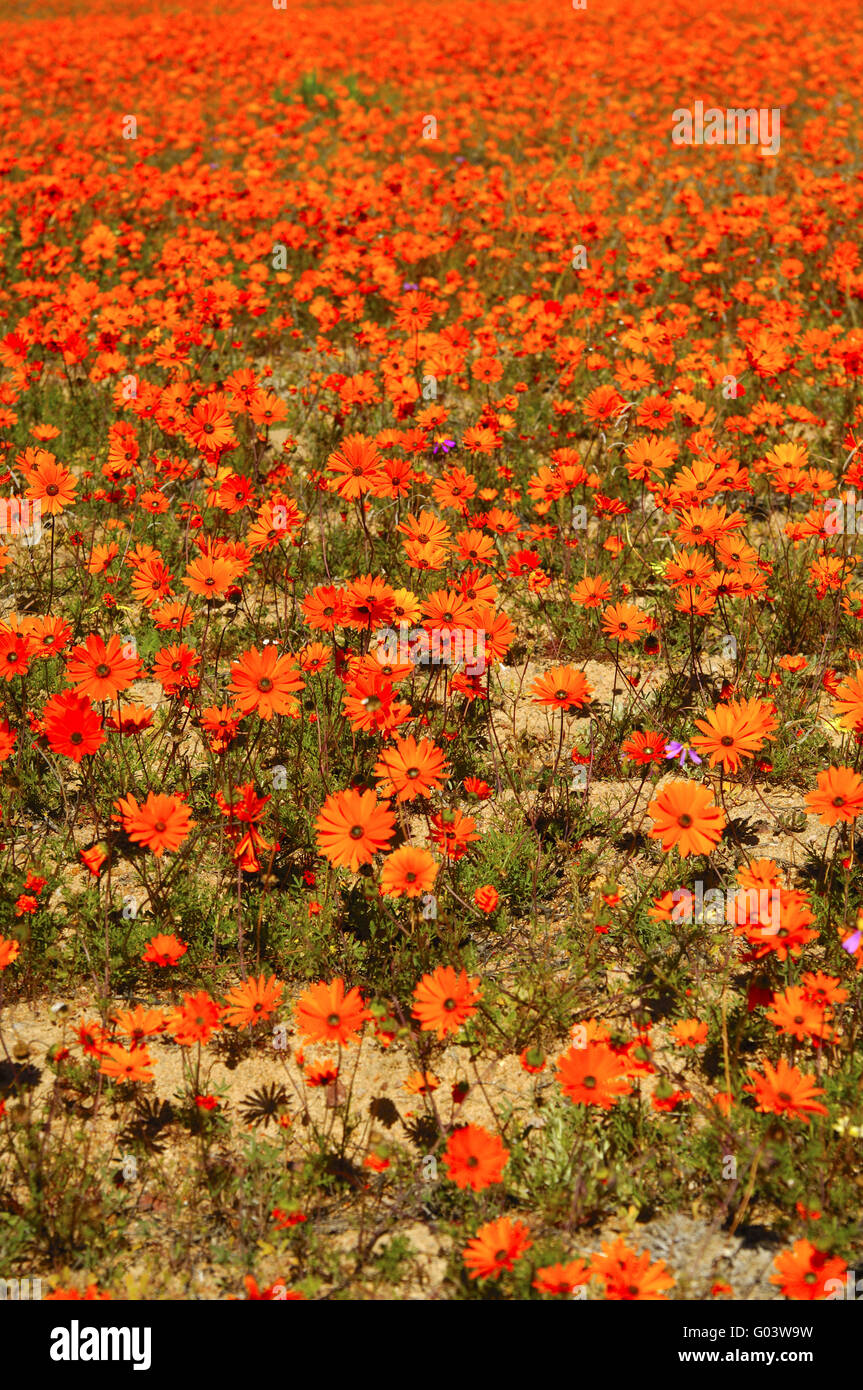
(92, 1293)
(353, 827)
(139, 1023)
(407, 872)
(92, 1037)
(49, 635)
(848, 704)
(784, 1090)
(486, 898)
(250, 1002)
(210, 427)
(162, 823)
(644, 747)
(173, 616)
(164, 950)
(495, 1248)
(797, 1015)
(221, 724)
(71, 725)
(100, 670)
(274, 1293)
(734, 731)
(326, 1014)
(629, 1275)
(324, 608)
(16, 653)
(210, 576)
(561, 1280)
(591, 592)
(421, 1083)
(315, 657)
(684, 815)
(411, 769)
(474, 1158)
(563, 688)
(452, 832)
(592, 1075)
(51, 484)
(131, 718)
(264, 682)
(445, 1000)
(623, 622)
(371, 705)
(126, 1066)
(9, 950)
(358, 466)
(822, 989)
(839, 796)
(197, 1019)
(803, 1272)
(689, 1032)
(151, 581)
(174, 668)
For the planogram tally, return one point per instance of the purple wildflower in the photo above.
(683, 750)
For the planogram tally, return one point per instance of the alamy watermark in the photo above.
(849, 1289)
(77, 1343)
(734, 126)
(22, 517)
(843, 516)
(761, 907)
(16, 1290)
(443, 646)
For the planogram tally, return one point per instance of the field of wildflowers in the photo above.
(431, 650)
